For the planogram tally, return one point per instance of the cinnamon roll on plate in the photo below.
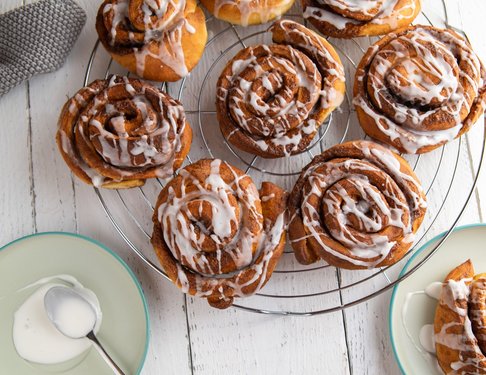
(460, 322)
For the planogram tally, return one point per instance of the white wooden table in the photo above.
(37, 193)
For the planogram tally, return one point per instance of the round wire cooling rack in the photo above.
(294, 289)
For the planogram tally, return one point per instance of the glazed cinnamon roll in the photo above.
(215, 234)
(271, 100)
(247, 12)
(354, 18)
(419, 89)
(118, 132)
(460, 322)
(357, 205)
(158, 40)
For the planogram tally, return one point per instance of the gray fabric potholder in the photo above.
(37, 38)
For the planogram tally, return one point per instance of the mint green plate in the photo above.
(124, 330)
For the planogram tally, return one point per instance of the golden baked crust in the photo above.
(347, 19)
(247, 12)
(357, 205)
(459, 322)
(159, 44)
(419, 88)
(216, 235)
(116, 133)
(271, 100)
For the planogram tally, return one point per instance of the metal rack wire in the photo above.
(326, 289)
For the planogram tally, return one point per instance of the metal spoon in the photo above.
(53, 300)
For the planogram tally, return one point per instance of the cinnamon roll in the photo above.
(272, 99)
(357, 205)
(118, 132)
(419, 88)
(354, 18)
(460, 322)
(215, 234)
(158, 40)
(247, 12)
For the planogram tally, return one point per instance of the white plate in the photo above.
(464, 243)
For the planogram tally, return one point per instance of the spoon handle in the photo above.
(116, 369)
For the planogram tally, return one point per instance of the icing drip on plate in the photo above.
(426, 341)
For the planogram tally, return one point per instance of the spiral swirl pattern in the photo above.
(419, 89)
(272, 99)
(460, 322)
(357, 205)
(353, 18)
(160, 40)
(118, 132)
(215, 234)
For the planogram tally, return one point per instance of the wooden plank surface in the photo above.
(16, 196)
(38, 193)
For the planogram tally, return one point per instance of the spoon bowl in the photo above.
(71, 313)
(75, 317)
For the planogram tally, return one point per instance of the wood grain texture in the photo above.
(38, 193)
(16, 195)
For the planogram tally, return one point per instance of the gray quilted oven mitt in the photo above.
(37, 38)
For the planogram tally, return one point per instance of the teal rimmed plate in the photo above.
(125, 326)
(467, 242)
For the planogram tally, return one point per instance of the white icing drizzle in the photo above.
(426, 337)
(273, 117)
(391, 164)
(146, 137)
(331, 69)
(366, 217)
(373, 246)
(456, 297)
(418, 78)
(267, 108)
(434, 289)
(362, 6)
(67, 147)
(266, 198)
(477, 298)
(162, 40)
(120, 11)
(426, 344)
(389, 12)
(121, 149)
(265, 9)
(245, 240)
